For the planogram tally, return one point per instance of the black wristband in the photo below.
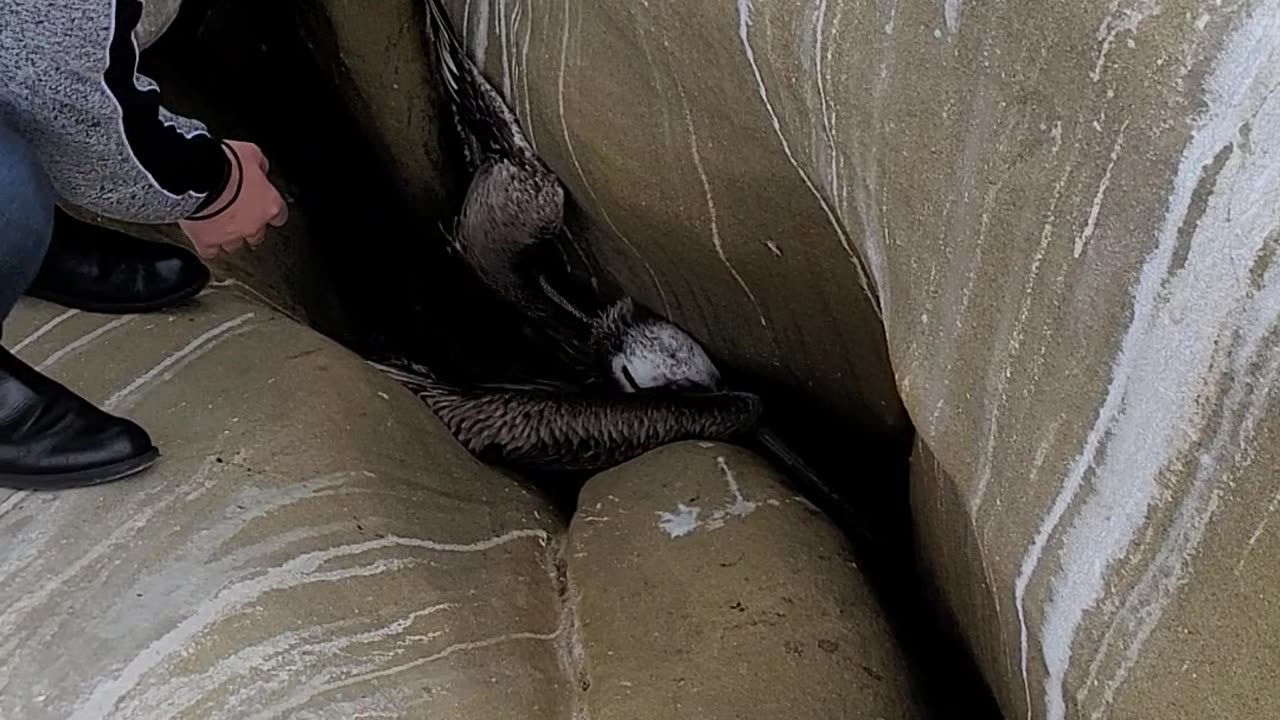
(235, 195)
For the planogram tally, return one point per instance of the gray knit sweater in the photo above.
(69, 86)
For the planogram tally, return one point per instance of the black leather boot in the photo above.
(52, 439)
(97, 269)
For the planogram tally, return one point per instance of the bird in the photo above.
(510, 226)
(547, 426)
(507, 232)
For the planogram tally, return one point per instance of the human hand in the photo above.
(241, 215)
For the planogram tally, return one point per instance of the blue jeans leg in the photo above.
(26, 217)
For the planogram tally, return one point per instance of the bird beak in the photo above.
(631, 379)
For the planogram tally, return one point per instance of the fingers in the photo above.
(251, 153)
(276, 208)
(211, 252)
(281, 215)
(260, 158)
(245, 221)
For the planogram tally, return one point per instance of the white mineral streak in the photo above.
(744, 36)
(1188, 385)
(582, 175)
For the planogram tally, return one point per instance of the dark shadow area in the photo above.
(866, 472)
(369, 276)
(372, 279)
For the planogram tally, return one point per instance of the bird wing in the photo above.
(513, 213)
(534, 428)
(509, 209)
(418, 378)
(405, 372)
(481, 116)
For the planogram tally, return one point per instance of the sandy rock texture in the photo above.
(314, 544)
(1041, 235)
(304, 548)
(705, 588)
(1050, 229)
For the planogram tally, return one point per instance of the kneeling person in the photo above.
(80, 127)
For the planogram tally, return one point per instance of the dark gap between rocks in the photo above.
(371, 276)
(867, 469)
(373, 279)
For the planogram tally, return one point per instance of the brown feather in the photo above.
(537, 428)
(551, 426)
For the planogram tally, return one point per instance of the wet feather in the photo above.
(550, 426)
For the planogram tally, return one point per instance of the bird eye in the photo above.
(631, 379)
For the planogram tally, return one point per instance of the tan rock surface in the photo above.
(1068, 216)
(652, 116)
(157, 16)
(384, 75)
(705, 589)
(311, 544)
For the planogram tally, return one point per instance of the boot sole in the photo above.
(121, 308)
(81, 478)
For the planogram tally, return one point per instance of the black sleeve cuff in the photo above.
(180, 165)
(223, 180)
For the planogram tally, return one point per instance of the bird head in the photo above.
(656, 355)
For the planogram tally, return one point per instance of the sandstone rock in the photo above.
(385, 77)
(344, 556)
(311, 544)
(1067, 216)
(704, 588)
(1049, 229)
(157, 16)
(314, 544)
(699, 208)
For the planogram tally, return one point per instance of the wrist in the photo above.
(217, 203)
